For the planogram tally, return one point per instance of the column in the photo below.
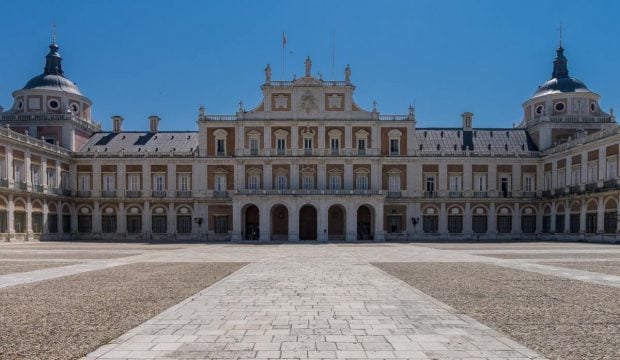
(10, 169)
(121, 227)
(267, 177)
(582, 217)
(516, 219)
(121, 179)
(321, 230)
(554, 174)
(516, 178)
(236, 213)
(27, 170)
(410, 139)
(467, 178)
(28, 218)
(600, 216)
(443, 223)
(492, 179)
(567, 212)
(146, 179)
(10, 218)
(379, 232)
(351, 223)
(602, 164)
(375, 139)
(263, 222)
(294, 176)
(146, 221)
(171, 181)
(44, 173)
(492, 220)
(267, 138)
(569, 171)
(467, 228)
(375, 175)
(584, 168)
(539, 215)
(239, 176)
(45, 220)
(321, 175)
(96, 179)
(293, 222)
(170, 223)
(553, 215)
(96, 218)
(321, 137)
(348, 138)
(442, 185)
(348, 176)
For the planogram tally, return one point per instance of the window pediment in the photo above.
(394, 133)
(220, 133)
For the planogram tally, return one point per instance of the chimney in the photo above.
(117, 123)
(467, 121)
(154, 123)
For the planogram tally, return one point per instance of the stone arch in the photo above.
(455, 218)
(504, 219)
(365, 222)
(279, 222)
(159, 219)
(336, 222)
(610, 217)
(3, 215)
(250, 215)
(109, 218)
(308, 222)
(592, 216)
(480, 219)
(133, 219)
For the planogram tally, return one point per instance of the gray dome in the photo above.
(561, 85)
(53, 82)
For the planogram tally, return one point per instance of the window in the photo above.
(591, 219)
(52, 223)
(65, 182)
(504, 223)
(134, 224)
(479, 223)
(335, 145)
(394, 183)
(334, 182)
(280, 182)
(561, 178)
(159, 223)
(528, 183)
(394, 223)
(308, 143)
(575, 223)
(108, 182)
(480, 182)
(528, 223)
(455, 223)
(611, 222)
(430, 184)
(505, 187)
(66, 223)
(612, 168)
(221, 224)
(108, 223)
(51, 178)
(281, 146)
(455, 182)
(220, 182)
(85, 223)
(559, 223)
(576, 175)
(184, 224)
(592, 172)
(19, 221)
(221, 147)
(183, 182)
(308, 182)
(19, 175)
(546, 224)
(133, 182)
(84, 182)
(361, 146)
(253, 182)
(158, 182)
(37, 222)
(35, 172)
(361, 182)
(254, 146)
(394, 147)
(430, 223)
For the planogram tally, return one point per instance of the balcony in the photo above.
(430, 194)
(20, 185)
(545, 194)
(361, 152)
(253, 152)
(66, 192)
(560, 192)
(481, 194)
(133, 193)
(4, 183)
(529, 194)
(610, 184)
(220, 153)
(108, 193)
(455, 194)
(158, 193)
(335, 151)
(184, 194)
(55, 191)
(394, 194)
(304, 192)
(220, 194)
(591, 187)
(281, 152)
(37, 188)
(504, 194)
(575, 189)
(82, 193)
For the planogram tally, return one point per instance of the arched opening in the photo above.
(109, 220)
(336, 227)
(455, 220)
(19, 217)
(4, 227)
(133, 220)
(430, 220)
(251, 229)
(279, 222)
(611, 217)
(85, 220)
(66, 219)
(560, 219)
(52, 219)
(37, 217)
(575, 218)
(546, 220)
(528, 220)
(479, 220)
(159, 220)
(364, 223)
(307, 223)
(591, 217)
(184, 220)
(504, 220)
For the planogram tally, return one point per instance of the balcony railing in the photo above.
(4, 183)
(220, 153)
(158, 193)
(560, 191)
(184, 194)
(55, 191)
(591, 187)
(455, 194)
(253, 152)
(430, 194)
(575, 189)
(610, 184)
(220, 194)
(505, 194)
(66, 192)
(545, 193)
(394, 194)
(480, 194)
(82, 193)
(361, 152)
(529, 194)
(37, 188)
(108, 193)
(335, 151)
(303, 192)
(133, 193)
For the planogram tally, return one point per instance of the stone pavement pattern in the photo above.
(321, 310)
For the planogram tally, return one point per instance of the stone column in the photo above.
(348, 175)
(295, 176)
(375, 175)
(170, 223)
(10, 168)
(379, 232)
(27, 170)
(74, 178)
(567, 213)
(442, 185)
(322, 222)
(492, 220)
(294, 139)
(584, 167)
(96, 180)
(239, 176)
(467, 178)
(443, 220)
(553, 215)
(146, 221)
(374, 139)
(45, 230)
(237, 226)
(321, 176)
(171, 181)
(516, 178)
(146, 179)
(263, 223)
(348, 138)
(10, 218)
(267, 138)
(97, 228)
(293, 222)
(28, 218)
(516, 219)
(582, 217)
(121, 227)
(569, 171)
(602, 163)
(467, 226)
(600, 216)
(554, 174)
(43, 173)
(268, 175)
(351, 223)
(321, 137)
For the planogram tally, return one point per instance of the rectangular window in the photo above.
(84, 182)
(220, 182)
(591, 219)
(592, 172)
(134, 224)
(611, 222)
(51, 178)
(108, 223)
(159, 224)
(394, 183)
(308, 182)
(480, 182)
(504, 224)
(430, 184)
(183, 183)
(253, 182)
(455, 224)
(307, 143)
(159, 182)
(280, 182)
(65, 181)
(361, 182)
(254, 146)
(479, 224)
(361, 144)
(547, 181)
(334, 182)
(546, 224)
(576, 175)
(612, 169)
(335, 145)
(85, 224)
(133, 182)
(35, 173)
(66, 223)
(394, 147)
(19, 222)
(108, 182)
(394, 223)
(221, 147)
(281, 146)
(528, 224)
(455, 182)
(221, 224)
(430, 224)
(184, 224)
(561, 178)
(528, 183)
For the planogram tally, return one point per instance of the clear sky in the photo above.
(138, 58)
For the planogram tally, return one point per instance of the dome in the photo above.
(560, 82)
(53, 76)
(53, 82)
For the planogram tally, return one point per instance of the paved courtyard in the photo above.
(345, 301)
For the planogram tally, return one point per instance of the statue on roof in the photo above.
(268, 74)
(347, 74)
(308, 64)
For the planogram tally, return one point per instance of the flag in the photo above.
(283, 40)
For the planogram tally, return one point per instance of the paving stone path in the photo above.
(320, 310)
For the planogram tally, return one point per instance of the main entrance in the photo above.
(307, 223)
(279, 222)
(364, 223)
(252, 220)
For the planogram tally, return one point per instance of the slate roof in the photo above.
(142, 141)
(482, 139)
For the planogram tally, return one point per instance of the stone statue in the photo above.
(347, 74)
(268, 74)
(308, 64)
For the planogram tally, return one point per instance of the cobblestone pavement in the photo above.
(321, 301)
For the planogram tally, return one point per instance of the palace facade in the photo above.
(308, 163)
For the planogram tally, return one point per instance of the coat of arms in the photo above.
(307, 102)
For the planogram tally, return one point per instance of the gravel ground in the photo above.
(10, 267)
(63, 255)
(554, 256)
(65, 318)
(604, 267)
(560, 318)
(518, 246)
(82, 246)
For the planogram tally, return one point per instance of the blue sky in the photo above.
(138, 58)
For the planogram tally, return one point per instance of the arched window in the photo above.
(85, 220)
(184, 220)
(37, 217)
(430, 220)
(455, 220)
(108, 220)
(479, 220)
(504, 220)
(159, 220)
(528, 220)
(19, 217)
(134, 220)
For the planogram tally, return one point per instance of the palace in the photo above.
(308, 163)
